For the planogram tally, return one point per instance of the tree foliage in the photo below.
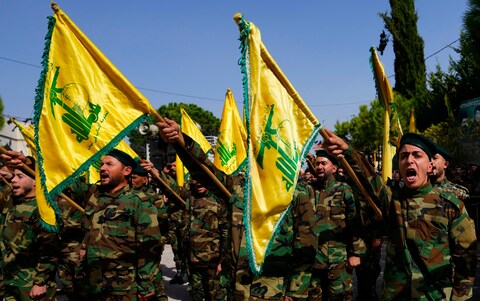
(209, 124)
(365, 131)
(448, 89)
(467, 68)
(437, 106)
(2, 118)
(410, 77)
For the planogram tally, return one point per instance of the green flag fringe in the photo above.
(247, 212)
(39, 92)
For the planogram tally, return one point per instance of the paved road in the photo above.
(173, 291)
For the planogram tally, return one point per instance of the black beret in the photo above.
(123, 157)
(138, 170)
(446, 155)
(420, 141)
(323, 153)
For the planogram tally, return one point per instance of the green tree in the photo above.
(365, 131)
(410, 76)
(2, 118)
(459, 83)
(467, 68)
(208, 122)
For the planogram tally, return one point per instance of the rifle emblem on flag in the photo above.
(285, 163)
(75, 114)
(225, 154)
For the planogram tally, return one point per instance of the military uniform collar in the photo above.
(327, 182)
(116, 194)
(23, 200)
(421, 191)
(443, 182)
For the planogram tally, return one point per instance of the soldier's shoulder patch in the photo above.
(142, 195)
(452, 198)
(342, 185)
(460, 187)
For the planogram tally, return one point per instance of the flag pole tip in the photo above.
(54, 6)
(237, 17)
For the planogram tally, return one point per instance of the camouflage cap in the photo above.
(323, 153)
(123, 157)
(420, 141)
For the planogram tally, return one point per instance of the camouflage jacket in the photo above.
(292, 250)
(148, 194)
(122, 242)
(6, 202)
(337, 223)
(29, 252)
(174, 205)
(72, 229)
(460, 192)
(431, 241)
(234, 184)
(207, 229)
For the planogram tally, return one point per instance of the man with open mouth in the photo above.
(431, 241)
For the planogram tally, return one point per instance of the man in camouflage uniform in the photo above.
(206, 242)
(291, 254)
(372, 233)
(338, 221)
(176, 231)
(430, 239)
(29, 252)
(72, 234)
(141, 184)
(122, 242)
(439, 179)
(5, 205)
(288, 266)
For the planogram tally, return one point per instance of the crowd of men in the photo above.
(112, 250)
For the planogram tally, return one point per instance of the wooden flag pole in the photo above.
(202, 166)
(7, 183)
(165, 185)
(272, 65)
(29, 171)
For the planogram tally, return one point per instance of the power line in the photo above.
(177, 94)
(338, 104)
(215, 99)
(23, 119)
(19, 62)
(193, 96)
(442, 49)
(436, 52)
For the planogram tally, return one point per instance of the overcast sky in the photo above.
(187, 51)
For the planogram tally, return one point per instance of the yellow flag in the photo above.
(281, 129)
(392, 127)
(230, 153)
(191, 129)
(28, 133)
(412, 128)
(84, 107)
